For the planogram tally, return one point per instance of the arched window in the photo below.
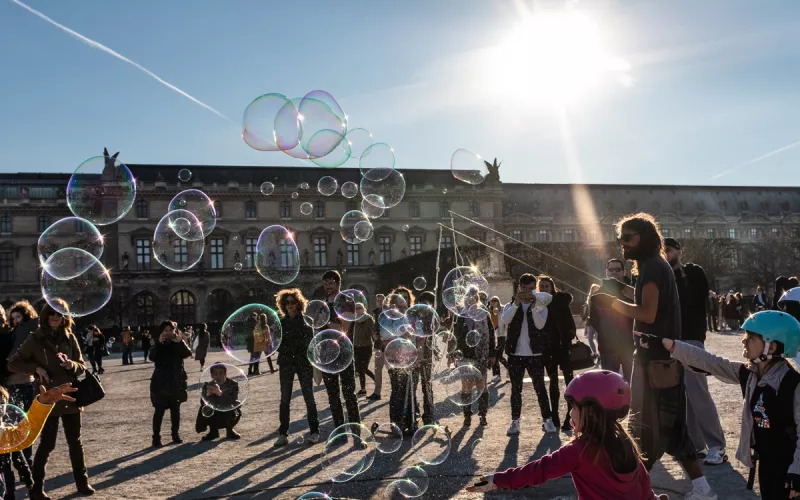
(182, 308)
(145, 310)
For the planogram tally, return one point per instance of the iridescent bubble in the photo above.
(461, 288)
(314, 495)
(473, 338)
(444, 191)
(181, 226)
(423, 319)
(468, 167)
(14, 426)
(359, 139)
(84, 294)
(350, 305)
(431, 444)
(339, 155)
(252, 333)
(400, 353)
(238, 266)
(207, 411)
(413, 482)
(406, 227)
(392, 326)
(68, 263)
(287, 129)
(377, 162)
(178, 252)
(462, 385)
(388, 191)
(388, 437)
(111, 340)
(101, 190)
(420, 283)
(355, 227)
(349, 451)
(185, 175)
(363, 230)
(319, 112)
(69, 232)
(201, 206)
(457, 355)
(223, 387)
(370, 210)
(259, 121)
(277, 258)
(394, 306)
(330, 351)
(317, 314)
(304, 185)
(295, 195)
(306, 208)
(443, 343)
(349, 189)
(327, 185)
(299, 441)
(267, 188)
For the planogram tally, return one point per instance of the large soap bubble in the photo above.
(400, 353)
(223, 387)
(460, 290)
(69, 232)
(327, 185)
(370, 210)
(330, 351)
(314, 495)
(349, 189)
(200, 205)
(377, 161)
(339, 155)
(388, 437)
(394, 306)
(431, 444)
(462, 385)
(323, 124)
(349, 451)
(387, 191)
(468, 167)
(355, 227)
(423, 319)
(14, 427)
(277, 257)
(443, 343)
(350, 305)
(101, 190)
(252, 333)
(84, 294)
(259, 121)
(68, 263)
(413, 482)
(359, 139)
(178, 241)
(317, 314)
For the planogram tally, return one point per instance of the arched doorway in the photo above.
(182, 308)
(144, 304)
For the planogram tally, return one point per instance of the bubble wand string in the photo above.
(436, 284)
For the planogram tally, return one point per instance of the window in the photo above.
(666, 233)
(447, 241)
(569, 235)
(319, 210)
(286, 209)
(353, 254)
(250, 211)
(287, 253)
(517, 234)
(145, 309)
(5, 224)
(386, 214)
(80, 227)
(543, 235)
(217, 253)
(250, 251)
(142, 254)
(687, 233)
(180, 252)
(415, 244)
(775, 232)
(474, 209)
(413, 209)
(320, 251)
(141, 209)
(444, 209)
(44, 222)
(218, 208)
(710, 233)
(733, 233)
(350, 205)
(182, 308)
(385, 249)
(6, 266)
(753, 233)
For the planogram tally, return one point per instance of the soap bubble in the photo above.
(14, 427)
(349, 451)
(406, 227)
(423, 319)
(68, 263)
(349, 189)
(83, 294)
(317, 314)
(64, 234)
(457, 355)
(388, 437)
(400, 353)
(323, 123)
(413, 482)
(462, 385)
(259, 121)
(206, 411)
(339, 155)
(359, 139)
(330, 351)
(246, 339)
(443, 343)
(420, 283)
(377, 162)
(468, 167)
(460, 290)
(182, 227)
(350, 305)
(238, 266)
(304, 185)
(370, 210)
(473, 338)
(229, 379)
(101, 190)
(111, 340)
(277, 257)
(314, 495)
(306, 208)
(185, 175)
(174, 251)
(394, 306)
(431, 444)
(295, 195)
(267, 188)
(388, 191)
(355, 227)
(299, 441)
(392, 326)
(200, 205)
(288, 130)
(327, 185)
(444, 191)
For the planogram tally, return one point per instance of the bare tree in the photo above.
(762, 261)
(715, 255)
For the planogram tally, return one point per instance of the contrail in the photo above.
(100, 46)
(758, 159)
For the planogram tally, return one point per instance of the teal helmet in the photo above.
(776, 326)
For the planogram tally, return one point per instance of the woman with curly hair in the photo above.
(293, 359)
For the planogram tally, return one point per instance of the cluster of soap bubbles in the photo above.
(223, 387)
(330, 351)
(460, 292)
(349, 451)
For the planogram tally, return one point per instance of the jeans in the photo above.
(127, 354)
(701, 412)
(501, 345)
(517, 365)
(97, 359)
(614, 359)
(348, 389)
(174, 417)
(304, 375)
(399, 406)
(591, 338)
(361, 357)
(72, 431)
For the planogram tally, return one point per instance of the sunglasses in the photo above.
(614, 269)
(626, 237)
(291, 302)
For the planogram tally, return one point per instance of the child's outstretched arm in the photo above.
(724, 369)
(37, 416)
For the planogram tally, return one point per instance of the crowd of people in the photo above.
(647, 329)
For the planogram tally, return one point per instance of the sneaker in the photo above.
(694, 495)
(282, 440)
(549, 427)
(232, 434)
(716, 456)
(513, 429)
(362, 392)
(467, 420)
(314, 438)
(484, 422)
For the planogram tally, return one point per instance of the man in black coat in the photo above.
(614, 330)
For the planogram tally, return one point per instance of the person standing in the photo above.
(712, 311)
(425, 368)
(496, 310)
(701, 412)
(615, 330)
(99, 349)
(127, 346)
(361, 332)
(146, 344)
(658, 404)
(479, 353)
(759, 300)
(168, 387)
(732, 311)
(203, 339)
(377, 347)
(53, 355)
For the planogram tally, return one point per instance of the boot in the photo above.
(37, 493)
(157, 442)
(176, 439)
(232, 434)
(212, 434)
(84, 488)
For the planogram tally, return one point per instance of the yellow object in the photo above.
(37, 416)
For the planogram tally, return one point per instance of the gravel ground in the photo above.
(117, 434)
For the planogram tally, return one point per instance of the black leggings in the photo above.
(174, 416)
(361, 357)
(772, 478)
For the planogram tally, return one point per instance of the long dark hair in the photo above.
(651, 243)
(25, 309)
(609, 433)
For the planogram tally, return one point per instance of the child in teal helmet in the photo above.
(770, 385)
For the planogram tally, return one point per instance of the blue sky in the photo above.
(715, 85)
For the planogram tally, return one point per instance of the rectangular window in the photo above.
(710, 233)
(517, 234)
(775, 232)
(180, 251)
(250, 251)
(666, 233)
(569, 235)
(319, 210)
(142, 254)
(543, 235)
(250, 210)
(80, 227)
(6, 266)
(217, 253)
(385, 248)
(415, 244)
(320, 251)
(353, 254)
(733, 233)
(141, 209)
(474, 209)
(386, 214)
(5, 224)
(444, 210)
(447, 241)
(287, 254)
(687, 233)
(44, 222)
(413, 209)
(753, 233)
(286, 209)
(218, 208)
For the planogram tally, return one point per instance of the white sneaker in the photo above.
(549, 427)
(694, 495)
(513, 429)
(314, 438)
(716, 456)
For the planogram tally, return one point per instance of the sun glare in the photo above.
(555, 55)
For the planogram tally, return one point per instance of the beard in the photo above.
(631, 253)
(673, 262)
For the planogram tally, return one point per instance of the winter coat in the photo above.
(18, 336)
(168, 383)
(41, 350)
(203, 339)
(361, 332)
(561, 314)
(295, 337)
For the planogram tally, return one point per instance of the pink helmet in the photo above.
(606, 388)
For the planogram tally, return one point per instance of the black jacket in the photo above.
(614, 330)
(560, 313)
(693, 295)
(545, 341)
(168, 383)
(483, 351)
(295, 337)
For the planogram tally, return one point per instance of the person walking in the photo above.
(721, 305)
(127, 346)
(168, 387)
(53, 355)
(146, 344)
(99, 349)
(202, 339)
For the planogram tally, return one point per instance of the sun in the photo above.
(557, 56)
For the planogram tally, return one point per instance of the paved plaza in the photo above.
(117, 432)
